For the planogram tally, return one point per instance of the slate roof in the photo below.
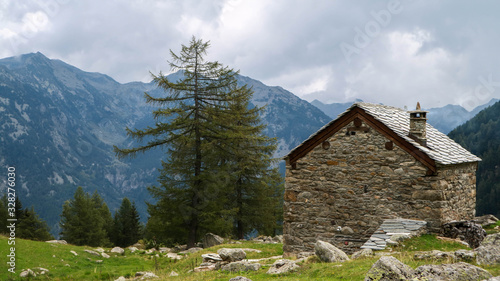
(440, 147)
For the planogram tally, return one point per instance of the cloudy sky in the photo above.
(395, 52)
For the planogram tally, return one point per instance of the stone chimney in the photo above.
(418, 119)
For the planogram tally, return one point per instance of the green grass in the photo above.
(32, 254)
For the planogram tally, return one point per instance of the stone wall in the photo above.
(341, 192)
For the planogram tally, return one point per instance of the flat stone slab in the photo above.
(382, 236)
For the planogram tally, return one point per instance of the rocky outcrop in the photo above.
(467, 231)
(210, 240)
(389, 268)
(328, 253)
(458, 271)
(282, 266)
(489, 250)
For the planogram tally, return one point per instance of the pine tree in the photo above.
(32, 227)
(257, 185)
(82, 221)
(187, 122)
(126, 224)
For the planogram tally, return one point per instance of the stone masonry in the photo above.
(344, 188)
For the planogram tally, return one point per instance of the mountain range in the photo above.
(59, 124)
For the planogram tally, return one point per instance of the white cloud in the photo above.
(432, 51)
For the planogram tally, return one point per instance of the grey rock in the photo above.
(329, 253)
(210, 240)
(389, 268)
(240, 278)
(465, 255)
(346, 230)
(282, 266)
(467, 231)
(174, 256)
(231, 255)
(133, 249)
(486, 220)
(99, 250)
(191, 250)
(104, 255)
(434, 255)
(145, 275)
(362, 253)
(57, 242)
(207, 267)
(92, 252)
(494, 279)
(118, 250)
(458, 271)
(73, 252)
(241, 266)
(164, 250)
(489, 251)
(121, 278)
(211, 257)
(173, 273)
(27, 273)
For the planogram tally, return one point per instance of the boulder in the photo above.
(240, 278)
(467, 231)
(164, 250)
(210, 257)
(118, 250)
(204, 267)
(241, 266)
(465, 255)
(191, 250)
(362, 253)
(458, 271)
(174, 256)
(231, 255)
(486, 220)
(210, 240)
(104, 255)
(389, 268)
(282, 266)
(489, 250)
(329, 253)
(133, 249)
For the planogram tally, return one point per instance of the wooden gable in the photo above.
(353, 114)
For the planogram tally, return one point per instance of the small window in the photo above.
(325, 145)
(389, 145)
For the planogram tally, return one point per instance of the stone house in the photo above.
(374, 162)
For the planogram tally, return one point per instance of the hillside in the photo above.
(59, 124)
(69, 262)
(481, 136)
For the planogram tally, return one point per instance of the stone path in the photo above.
(382, 236)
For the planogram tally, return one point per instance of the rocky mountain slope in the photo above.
(59, 123)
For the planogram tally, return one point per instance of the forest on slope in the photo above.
(481, 136)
